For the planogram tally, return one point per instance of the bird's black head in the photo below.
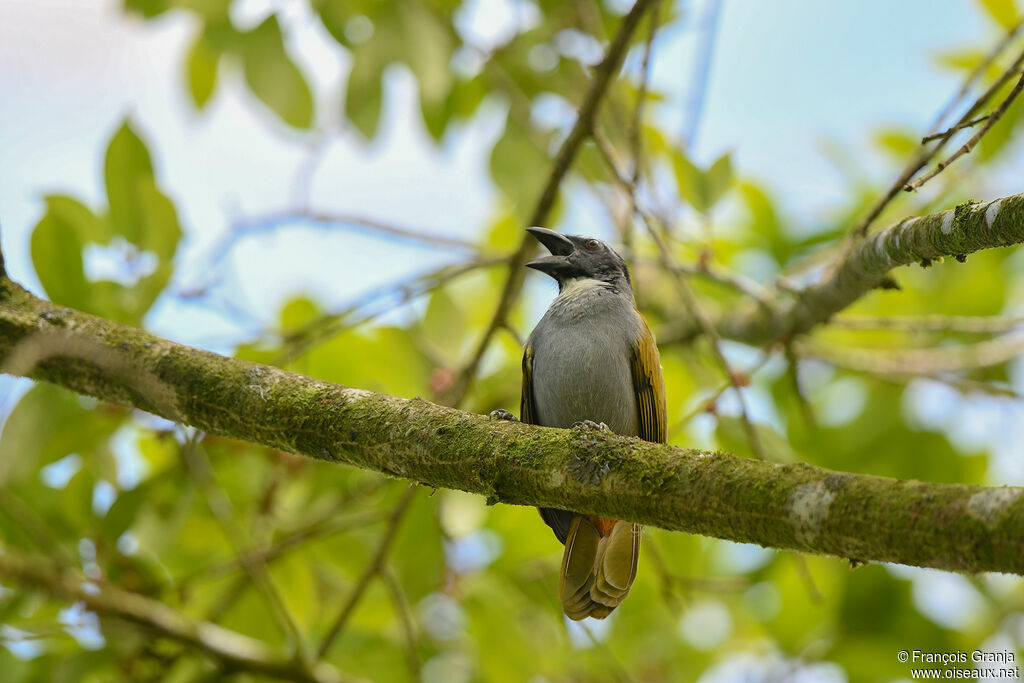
(575, 257)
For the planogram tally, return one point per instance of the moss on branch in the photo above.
(955, 233)
(798, 506)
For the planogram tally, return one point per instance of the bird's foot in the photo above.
(590, 424)
(502, 414)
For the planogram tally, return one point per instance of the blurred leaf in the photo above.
(732, 437)
(897, 142)
(299, 312)
(127, 169)
(719, 178)
(57, 242)
(417, 555)
(960, 59)
(519, 165)
(148, 8)
(49, 423)
(428, 45)
(273, 77)
(702, 189)
(364, 94)
(202, 64)
(1003, 12)
(999, 136)
(443, 324)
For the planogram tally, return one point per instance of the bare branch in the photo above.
(990, 121)
(953, 129)
(919, 361)
(971, 324)
(925, 154)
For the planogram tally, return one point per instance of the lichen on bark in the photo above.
(797, 506)
(956, 233)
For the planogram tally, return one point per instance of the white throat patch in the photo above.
(571, 289)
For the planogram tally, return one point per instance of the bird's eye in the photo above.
(592, 244)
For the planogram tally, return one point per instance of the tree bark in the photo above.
(796, 506)
(956, 233)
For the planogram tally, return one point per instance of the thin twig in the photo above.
(924, 155)
(636, 131)
(803, 570)
(953, 129)
(256, 225)
(33, 527)
(319, 529)
(372, 569)
(329, 325)
(976, 73)
(966, 148)
(603, 75)
(919, 361)
(199, 467)
(690, 302)
(670, 581)
(709, 402)
(401, 605)
(930, 323)
(793, 361)
(713, 11)
(233, 650)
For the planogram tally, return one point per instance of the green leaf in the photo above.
(273, 77)
(428, 47)
(519, 164)
(299, 312)
(364, 93)
(689, 181)
(701, 189)
(57, 242)
(443, 325)
(210, 9)
(48, 424)
(899, 143)
(418, 556)
(147, 8)
(1003, 12)
(202, 62)
(732, 437)
(718, 178)
(127, 167)
(997, 138)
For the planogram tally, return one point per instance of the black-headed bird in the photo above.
(592, 359)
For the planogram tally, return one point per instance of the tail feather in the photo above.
(597, 571)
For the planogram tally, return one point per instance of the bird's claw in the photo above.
(502, 414)
(590, 424)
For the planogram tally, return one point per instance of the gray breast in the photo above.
(581, 360)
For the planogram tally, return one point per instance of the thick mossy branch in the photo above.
(867, 518)
(954, 234)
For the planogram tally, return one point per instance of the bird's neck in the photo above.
(576, 291)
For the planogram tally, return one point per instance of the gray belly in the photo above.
(584, 376)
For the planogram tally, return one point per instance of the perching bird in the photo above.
(592, 358)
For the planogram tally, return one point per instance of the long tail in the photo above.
(598, 566)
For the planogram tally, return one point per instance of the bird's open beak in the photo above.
(560, 247)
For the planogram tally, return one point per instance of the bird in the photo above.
(592, 360)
